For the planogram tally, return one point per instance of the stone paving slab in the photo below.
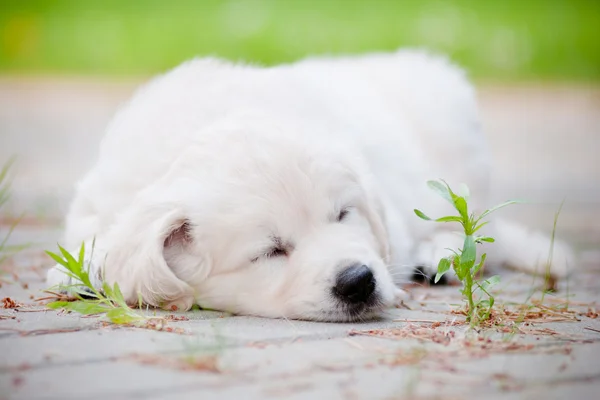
(315, 367)
(544, 142)
(89, 346)
(48, 354)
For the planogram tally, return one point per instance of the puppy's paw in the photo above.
(428, 255)
(426, 275)
(529, 251)
(59, 278)
(182, 304)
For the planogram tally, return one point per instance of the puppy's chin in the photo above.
(343, 312)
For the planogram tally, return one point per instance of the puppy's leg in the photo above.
(430, 251)
(528, 250)
(516, 246)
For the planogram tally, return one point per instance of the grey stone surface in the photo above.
(544, 142)
(48, 355)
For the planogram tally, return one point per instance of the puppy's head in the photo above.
(282, 229)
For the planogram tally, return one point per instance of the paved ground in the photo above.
(553, 354)
(545, 143)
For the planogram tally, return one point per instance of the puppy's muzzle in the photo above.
(355, 284)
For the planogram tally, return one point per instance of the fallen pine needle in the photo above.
(207, 363)
(427, 321)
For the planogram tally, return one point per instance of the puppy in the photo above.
(286, 191)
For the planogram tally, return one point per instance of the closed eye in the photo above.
(272, 253)
(279, 249)
(343, 214)
(276, 252)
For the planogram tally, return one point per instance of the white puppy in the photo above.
(285, 191)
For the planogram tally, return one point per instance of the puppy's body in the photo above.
(213, 165)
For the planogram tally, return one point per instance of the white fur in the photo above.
(228, 156)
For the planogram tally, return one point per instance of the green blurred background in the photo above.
(539, 40)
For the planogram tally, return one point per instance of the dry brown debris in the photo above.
(154, 324)
(413, 332)
(506, 320)
(54, 296)
(591, 313)
(173, 317)
(208, 363)
(411, 357)
(7, 302)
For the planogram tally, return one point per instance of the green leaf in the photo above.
(485, 239)
(441, 189)
(452, 251)
(4, 193)
(58, 259)
(443, 267)
(460, 272)
(463, 189)
(478, 227)
(108, 292)
(484, 303)
(490, 282)
(449, 219)
(3, 247)
(6, 168)
(14, 248)
(57, 304)
(421, 215)
(117, 292)
(83, 293)
(467, 257)
(118, 316)
(86, 307)
(74, 266)
(453, 195)
(480, 264)
(118, 296)
(81, 253)
(123, 316)
(461, 206)
(499, 206)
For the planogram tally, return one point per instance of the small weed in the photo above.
(4, 184)
(464, 261)
(7, 251)
(88, 300)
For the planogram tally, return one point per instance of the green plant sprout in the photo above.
(89, 300)
(6, 251)
(464, 261)
(4, 195)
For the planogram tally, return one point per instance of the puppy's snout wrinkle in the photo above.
(355, 284)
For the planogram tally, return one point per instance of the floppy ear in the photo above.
(141, 248)
(180, 254)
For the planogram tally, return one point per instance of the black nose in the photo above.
(355, 284)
